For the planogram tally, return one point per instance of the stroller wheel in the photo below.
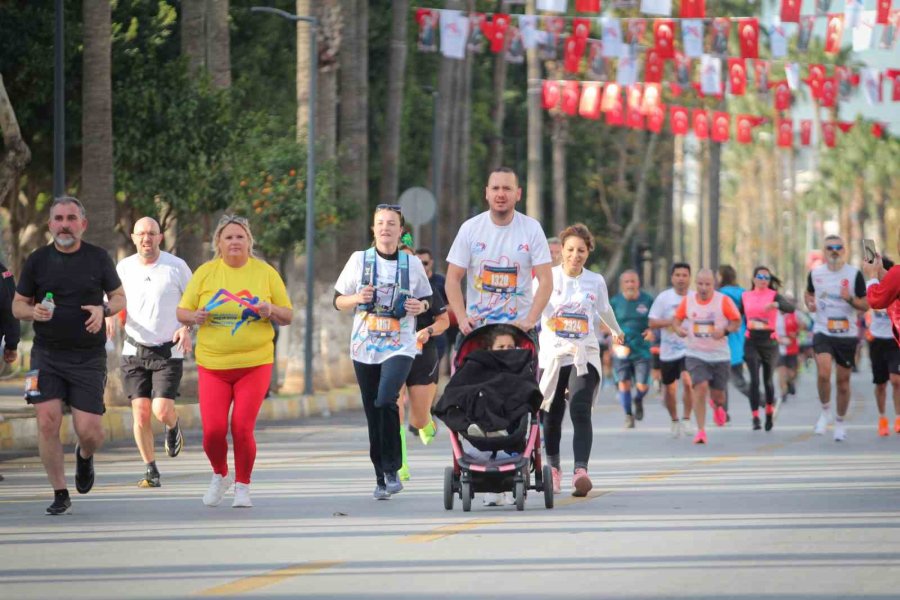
(448, 488)
(520, 495)
(548, 486)
(465, 489)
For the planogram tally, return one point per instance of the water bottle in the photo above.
(48, 303)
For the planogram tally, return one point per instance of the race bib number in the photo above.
(381, 326)
(571, 326)
(499, 280)
(704, 329)
(758, 324)
(31, 384)
(838, 325)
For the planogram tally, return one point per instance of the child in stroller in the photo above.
(492, 401)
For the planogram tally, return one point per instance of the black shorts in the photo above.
(885, 357)
(671, 370)
(654, 361)
(154, 378)
(788, 361)
(842, 349)
(78, 378)
(424, 369)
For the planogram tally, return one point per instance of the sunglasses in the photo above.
(394, 207)
(426, 263)
(763, 277)
(229, 219)
(835, 247)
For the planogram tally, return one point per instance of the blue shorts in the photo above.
(636, 370)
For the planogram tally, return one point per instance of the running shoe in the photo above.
(392, 483)
(840, 433)
(676, 429)
(557, 480)
(403, 473)
(897, 425)
(241, 496)
(217, 488)
(700, 438)
(720, 417)
(757, 425)
(639, 410)
(769, 421)
(174, 440)
(883, 429)
(581, 483)
(60, 506)
(791, 389)
(84, 471)
(427, 433)
(491, 499)
(821, 424)
(151, 479)
(381, 492)
(629, 422)
(687, 428)
(507, 499)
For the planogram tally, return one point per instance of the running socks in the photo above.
(625, 401)
(404, 469)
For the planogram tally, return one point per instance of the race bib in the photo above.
(499, 280)
(381, 326)
(758, 324)
(31, 384)
(704, 329)
(571, 326)
(838, 325)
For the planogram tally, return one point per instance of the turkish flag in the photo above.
(574, 50)
(633, 94)
(894, 76)
(611, 97)
(785, 132)
(550, 94)
(845, 126)
(678, 120)
(790, 11)
(782, 95)
(589, 106)
(581, 28)
(693, 9)
(805, 132)
(587, 6)
(616, 116)
(571, 93)
(829, 92)
(721, 129)
(737, 76)
(883, 8)
(828, 134)
(675, 90)
(834, 33)
(654, 65)
(664, 36)
(745, 129)
(701, 124)
(748, 33)
(816, 79)
(495, 31)
(656, 117)
(652, 95)
(634, 119)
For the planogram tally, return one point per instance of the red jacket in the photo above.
(886, 295)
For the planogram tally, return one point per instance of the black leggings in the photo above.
(581, 398)
(763, 352)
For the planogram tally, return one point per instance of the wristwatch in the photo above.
(430, 331)
(106, 312)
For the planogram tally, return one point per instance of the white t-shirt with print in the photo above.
(834, 316)
(671, 346)
(498, 260)
(880, 326)
(376, 339)
(572, 314)
(152, 293)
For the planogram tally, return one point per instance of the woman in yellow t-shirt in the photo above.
(234, 299)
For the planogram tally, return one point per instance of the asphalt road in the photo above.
(752, 515)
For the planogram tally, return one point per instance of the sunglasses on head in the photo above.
(763, 277)
(229, 219)
(394, 207)
(835, 247)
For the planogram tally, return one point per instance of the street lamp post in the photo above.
(310, 188)
(59, 104)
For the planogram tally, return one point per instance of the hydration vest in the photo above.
(370, 277)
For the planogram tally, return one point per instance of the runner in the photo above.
(10, 329)
(884, 353)
(835, 291)
(61, 289)
(728, 286)
(671, 348)
(155, 342)
(496, 251)
(631, 360)
(787, 328)
(387, 289)
(570, 353)
(234, 299)
(761, 307)
(704, 318)
(555, 251)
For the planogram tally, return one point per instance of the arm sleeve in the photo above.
(609, 318)
(655, 309)
(9, 325)
(438, 306)
(540, 249)
(881, 295)
(784, 305)
(349, 279)
(26, 286)
(681, 311)
(109, 276)
(459, 254)
(859, 286)
(728, 307)
(809, 284)
(184, 275)
(420, 284)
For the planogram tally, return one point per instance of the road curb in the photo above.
(22, 433)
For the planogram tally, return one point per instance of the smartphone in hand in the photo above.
(868, 250)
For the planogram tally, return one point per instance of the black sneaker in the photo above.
(174, 440)
(756, 424)
(84, 472)
(60, 506)
(769, 422)
(151, 479)
(639, 410)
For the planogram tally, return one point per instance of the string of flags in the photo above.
(642, 108)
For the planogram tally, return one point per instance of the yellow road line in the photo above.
(576, 499)
(254, 582)
(660, 475)
(448, 530)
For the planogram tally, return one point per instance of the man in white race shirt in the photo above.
(835, 291)
(155, 342)
(672, 348)
(497, 251)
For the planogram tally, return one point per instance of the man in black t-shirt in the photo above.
(9, 325)
(68, 359)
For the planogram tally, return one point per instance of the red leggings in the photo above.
(218, 388)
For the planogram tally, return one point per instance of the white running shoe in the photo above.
(492, 499)
(217, 488)
(840, 433)
(242, 496)
(676, 429)
(821, 424)
(687, 428)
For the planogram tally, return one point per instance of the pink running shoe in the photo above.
(700, 438)
(557, 480)
(581, 483)
(720, 416)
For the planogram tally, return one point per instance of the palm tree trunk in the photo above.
(193, 34)
(390, 153)
(303, 70)
(533, 205)
(218, 43)
(13, 160)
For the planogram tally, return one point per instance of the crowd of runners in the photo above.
(701, 334)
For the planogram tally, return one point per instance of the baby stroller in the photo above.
(498, 392)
